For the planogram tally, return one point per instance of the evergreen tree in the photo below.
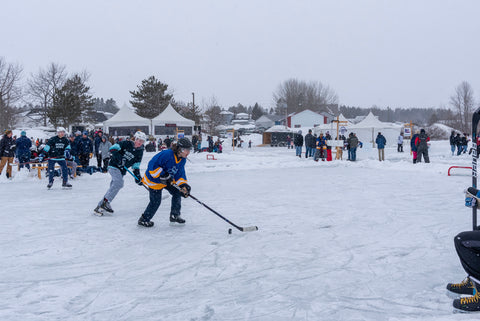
(151, 98)
(71, 103)
(257, 112)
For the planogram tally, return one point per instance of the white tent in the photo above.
(169, 121)
(366, 130)
(126, 122)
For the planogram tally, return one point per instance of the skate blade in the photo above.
(458, 311)
(453, 295)
(175, 224)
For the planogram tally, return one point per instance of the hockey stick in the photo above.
(475, 120)
(240, 228)
(163, 196)
(135, 177)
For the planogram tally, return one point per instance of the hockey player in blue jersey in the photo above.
(166, 170)
(55, 148)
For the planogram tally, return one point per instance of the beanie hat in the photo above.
(23, 133)
(422, 131)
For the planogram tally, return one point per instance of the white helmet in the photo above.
(140, 135)
(61, 129)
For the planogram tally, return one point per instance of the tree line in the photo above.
(64, 99)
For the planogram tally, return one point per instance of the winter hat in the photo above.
(85, 133)
(78, 132)
(422, 131)
(23, 133)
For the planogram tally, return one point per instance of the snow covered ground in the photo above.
(336, 241)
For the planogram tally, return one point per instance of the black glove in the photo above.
(138, 177)
(185, 189)
(166, 178)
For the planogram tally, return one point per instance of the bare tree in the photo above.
(10, 92)
(212, 114)
(463, 101)
(43, 84)
(300, 95)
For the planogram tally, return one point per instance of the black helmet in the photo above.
(184, 143)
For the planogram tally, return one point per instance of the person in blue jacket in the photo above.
(85, 150)
(23, 150)
(55, 148)
(413, 147)
(381, 141)
(166, 170)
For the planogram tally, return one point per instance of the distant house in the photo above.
(308, 118)
(269, 120)
(227, 117)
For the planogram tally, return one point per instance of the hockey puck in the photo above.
(229, 231)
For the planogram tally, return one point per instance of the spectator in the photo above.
(104, 149)
(465, 141)
(7, 152)
(289, 141)
(453, 142)
(321, 144)
(421, 142)
(309, 144)
(458, 142)
(96, 142)
(85, 150)
(413, 147)
(352, 147)
(23, 150)
(381, 141)
(298, 142)
(400, 143)
(167, 142)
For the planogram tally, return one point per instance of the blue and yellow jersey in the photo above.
(167, 161)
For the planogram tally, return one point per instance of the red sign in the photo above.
(170, 125)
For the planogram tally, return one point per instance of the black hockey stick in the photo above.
(240, 228)
(475, 120)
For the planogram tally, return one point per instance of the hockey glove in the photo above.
(185, 189)
(166, 178)
(40, 157)
(138, 177)
(470, 202)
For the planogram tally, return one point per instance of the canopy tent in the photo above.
(125, 122)
(366, 130)
(169, 122)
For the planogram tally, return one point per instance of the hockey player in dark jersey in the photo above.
(164, 170)
(124, 154)
(55, 149)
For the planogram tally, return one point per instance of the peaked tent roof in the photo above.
(170, 116)
(372, 122)
(126, 117)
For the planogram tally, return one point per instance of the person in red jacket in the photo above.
(421, 142)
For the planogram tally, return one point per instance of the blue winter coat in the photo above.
(381, 141)
(412, 143)
(23, 146)
(85, 146)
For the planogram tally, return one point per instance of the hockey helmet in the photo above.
(140, 135)
(184, 143)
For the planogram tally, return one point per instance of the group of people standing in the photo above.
(460, 143)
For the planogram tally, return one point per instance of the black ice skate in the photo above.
(176, 219)
(106, 206)
(468, 304)
(143, 222)
(50, 184)
(466, 287)
(66, 184)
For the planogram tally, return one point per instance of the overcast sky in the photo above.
(405, 53)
